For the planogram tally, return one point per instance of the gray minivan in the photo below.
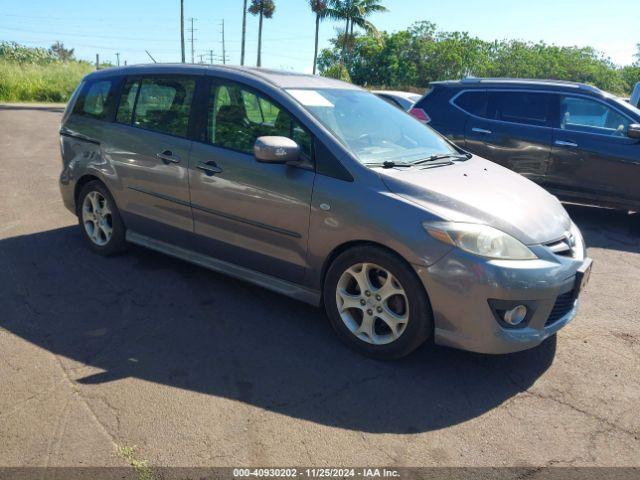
(319, 190)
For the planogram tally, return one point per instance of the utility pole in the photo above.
(201, 56)
(182, 28)
(244, 31)
(211, 57)
(97, 61)
(191, 30)
(224, 54)
(118, 58)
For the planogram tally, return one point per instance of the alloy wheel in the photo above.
(372, 303)
(97, 218)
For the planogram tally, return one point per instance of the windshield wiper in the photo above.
(389, 164)
(443, 156)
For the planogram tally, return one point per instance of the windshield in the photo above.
(628, 106)
(374, 131)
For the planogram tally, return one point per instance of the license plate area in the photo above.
(582, 277)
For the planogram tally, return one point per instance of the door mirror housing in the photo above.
(276, 150)
(634, 131)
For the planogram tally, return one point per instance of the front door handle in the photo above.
(168, 157)
(209, 168)
(481, 130)
(562, 143)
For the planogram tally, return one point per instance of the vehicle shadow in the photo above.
(148, 316)
(610, 229)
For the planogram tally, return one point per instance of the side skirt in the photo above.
(283, 287)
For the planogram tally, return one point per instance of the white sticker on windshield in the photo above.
(310, 98)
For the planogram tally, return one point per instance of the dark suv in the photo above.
(579, 142)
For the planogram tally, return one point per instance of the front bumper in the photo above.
(461, 286)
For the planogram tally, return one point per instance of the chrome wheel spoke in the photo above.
(349, 300)
(93, 199)
(389, 288)
(394, 321)
(107, 230)
(360, 274)
(367, 328)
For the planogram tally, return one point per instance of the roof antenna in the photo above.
(154, 60)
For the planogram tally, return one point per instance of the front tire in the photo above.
(100, 222)
(376, 303)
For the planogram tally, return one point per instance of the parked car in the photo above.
(635, 96)
(319, 190)
(402, 100)
(580, 143)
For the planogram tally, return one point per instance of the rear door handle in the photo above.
(481, 130)
(168, 157)
(209, 168)
(562, 143)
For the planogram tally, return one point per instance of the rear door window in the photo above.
(238, 116)
(96, 100)
(527, 108)
(164, 104)
(474, 103)
(580, 114)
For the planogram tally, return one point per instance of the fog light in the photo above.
(516, 315)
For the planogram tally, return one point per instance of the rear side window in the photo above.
(474, 103)
(95, 100)
(520, 107)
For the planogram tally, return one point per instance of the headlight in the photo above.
(481, 240)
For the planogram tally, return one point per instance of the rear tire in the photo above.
(100, 222)
(376, 303)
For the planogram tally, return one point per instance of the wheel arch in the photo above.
(338, 250)
(87, 178)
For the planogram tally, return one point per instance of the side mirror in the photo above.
(276, 150)
(634, 131)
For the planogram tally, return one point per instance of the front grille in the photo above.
(562, 247)
(564, 304)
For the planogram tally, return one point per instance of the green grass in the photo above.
(30, 82)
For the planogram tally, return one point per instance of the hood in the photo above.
(480, 191)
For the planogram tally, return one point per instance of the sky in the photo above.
(129, 27)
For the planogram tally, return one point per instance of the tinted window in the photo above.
(474, 103)
(164, 103)
(127, 100)
(95, 101)
(237, 117)
(584, 115)
(520, 107)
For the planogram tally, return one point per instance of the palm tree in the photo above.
(319, 7)
(263, 8)
(182, 28)
(360, 10)
(244, 30)
(355, 13)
